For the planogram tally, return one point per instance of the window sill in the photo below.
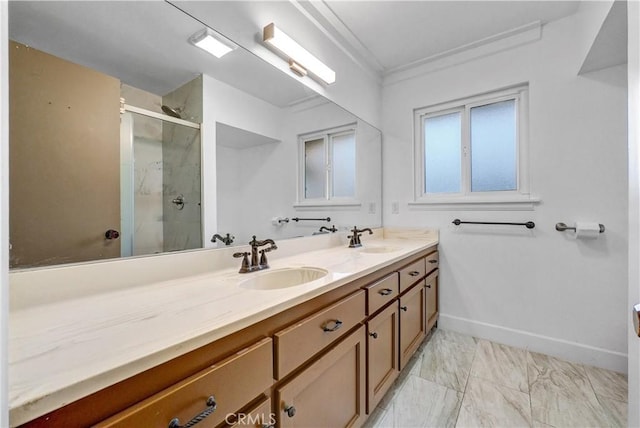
(327, 204)
(475, 203)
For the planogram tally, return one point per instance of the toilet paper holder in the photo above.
(561, 227)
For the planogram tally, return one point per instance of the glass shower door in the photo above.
(160, 185)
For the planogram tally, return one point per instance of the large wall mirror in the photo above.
(127, 140)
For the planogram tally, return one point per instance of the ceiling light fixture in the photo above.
(300, 59)
(212, 42)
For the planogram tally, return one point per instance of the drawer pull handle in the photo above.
(290, 411)
(414, 273)
(385, 291)
(374, 335)
(211, 407)
(404, 308)
(434, 261)
(336, 325)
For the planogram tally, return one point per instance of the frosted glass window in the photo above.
(442, 153)
(493, 147)
(343, 165)
(314, 169)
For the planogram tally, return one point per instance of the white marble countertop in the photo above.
(67, 349)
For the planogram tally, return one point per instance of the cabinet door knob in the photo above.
(211, 407)
(336, 325)
(385, 291)
(373, 334)
(414, 273)
(290, 411)
(404, 308)
(428, 285)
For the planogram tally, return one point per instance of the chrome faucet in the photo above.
(227, 240)
(255, 264)
(355, 238)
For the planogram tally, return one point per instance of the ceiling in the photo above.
(143, 43)
(391, 35)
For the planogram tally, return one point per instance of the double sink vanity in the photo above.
(178, 339)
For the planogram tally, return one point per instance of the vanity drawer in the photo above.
(410, 274)
(382, 292)
(433, 261)
(299, 342)
(233, 382)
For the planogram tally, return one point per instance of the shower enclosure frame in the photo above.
(127, 194)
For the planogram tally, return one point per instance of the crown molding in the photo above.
(323, 18)
(488, 46)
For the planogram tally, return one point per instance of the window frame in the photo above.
(327, 136)
(505, 199)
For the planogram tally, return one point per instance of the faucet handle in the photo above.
(244, 267)
(263, 258)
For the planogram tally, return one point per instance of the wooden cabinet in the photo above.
(431, 299)
(216, 392)
(412, 273)
(326, 362)
(259, 415)
(382, 354)
(330, 392)
(299, 342)
(382, 292)
(433, 261)
(412, 322)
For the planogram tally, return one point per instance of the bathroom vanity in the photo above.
(231, 349)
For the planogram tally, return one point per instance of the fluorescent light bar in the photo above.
(285, 44)
(211, 42)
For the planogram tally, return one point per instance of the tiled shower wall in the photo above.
(182, 169)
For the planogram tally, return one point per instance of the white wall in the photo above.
(535, 289)
(225, 104)
(4, 210)
(633, 13)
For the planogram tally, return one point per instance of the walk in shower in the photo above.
(160, 164)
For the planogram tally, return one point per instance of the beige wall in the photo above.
(64, 160)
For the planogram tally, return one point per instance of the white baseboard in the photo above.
(564, 349)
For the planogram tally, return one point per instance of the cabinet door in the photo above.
(258, 416)
(431, 284)
(382, 354)
(330, 392)
(412, 322)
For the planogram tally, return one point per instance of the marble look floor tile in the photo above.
(412, 368)
(447, 363)
(607, 383)
(561, 394)
(616, 411)
(486, 404)
(501, 364)
(468, 342)
(421, 403)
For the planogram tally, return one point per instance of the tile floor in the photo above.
(460, 381)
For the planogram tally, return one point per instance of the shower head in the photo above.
(174, 112)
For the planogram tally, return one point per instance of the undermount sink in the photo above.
(283, 278)
(378, 249)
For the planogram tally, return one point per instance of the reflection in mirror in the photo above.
(266, 180)
(94, 177)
